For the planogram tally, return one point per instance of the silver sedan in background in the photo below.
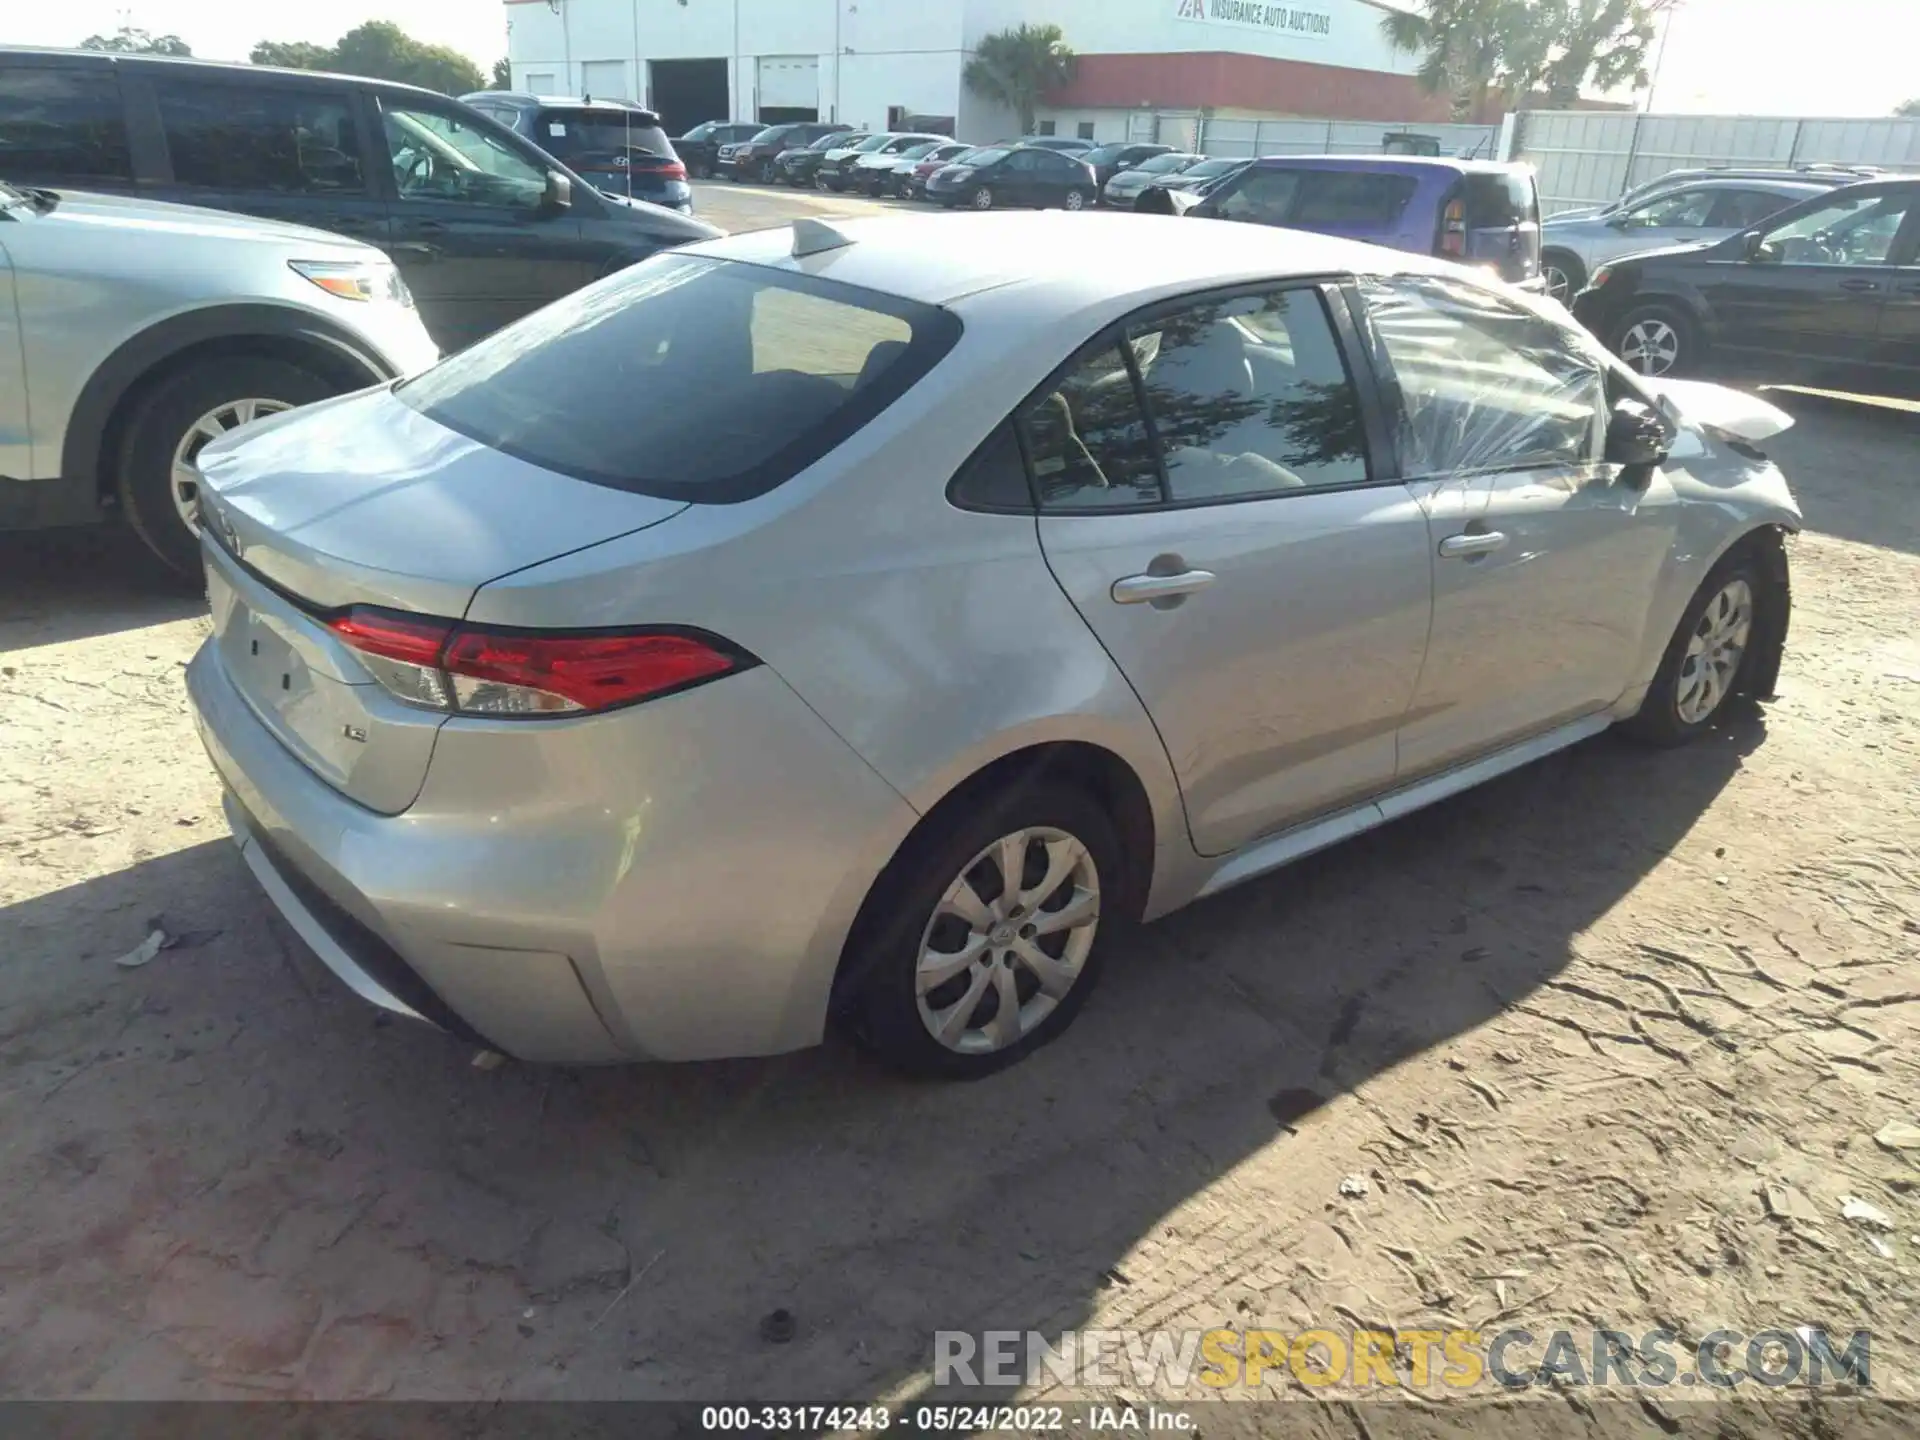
(1573, 247)
(861, 621)
(1124, 188)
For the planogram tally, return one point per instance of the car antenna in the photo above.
(812, 237)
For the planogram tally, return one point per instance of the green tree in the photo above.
(128, 40)
(1017, 67)
(380, 50)
(1473, 50)
(502, 75)
(292, 54)
(1910, 108)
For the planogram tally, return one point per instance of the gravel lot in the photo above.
(1570, 1026)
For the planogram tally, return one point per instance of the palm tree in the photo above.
(1017, 67)
(1909, 108)
(1604, 42)
(1472, 49)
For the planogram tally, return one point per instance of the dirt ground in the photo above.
(1569, 1027)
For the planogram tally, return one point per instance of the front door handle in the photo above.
(1455, 547)
(1859, 283)
(1143, 589)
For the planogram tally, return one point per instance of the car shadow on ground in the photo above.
(237, 1173)
(58, 585)
(1838, 442)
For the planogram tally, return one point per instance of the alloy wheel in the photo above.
(1714, 652)
(1651, 346)
(1075, 200)
(983, 199)
(184, 484)
(1559, 283)
(1008, 940)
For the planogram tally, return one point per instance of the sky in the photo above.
(1757, 57)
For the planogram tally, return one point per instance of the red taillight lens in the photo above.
(555, 673)
(674, 170)
(1453, 229)
(477, 671)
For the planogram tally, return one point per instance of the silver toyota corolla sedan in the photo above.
(858, 622)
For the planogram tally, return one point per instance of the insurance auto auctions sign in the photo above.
(1296, 21)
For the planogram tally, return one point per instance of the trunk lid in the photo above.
(365, 501)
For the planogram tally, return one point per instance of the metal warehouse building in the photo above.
(897, 63)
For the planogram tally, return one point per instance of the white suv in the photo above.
(132, 333)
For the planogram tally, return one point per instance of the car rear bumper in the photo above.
(673, 881)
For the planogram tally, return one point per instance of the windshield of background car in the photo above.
(833, 140)
(1208, 169)
(1105, 155)
(580, 132)
(873, 143)
(687, 378)
(1163, 164)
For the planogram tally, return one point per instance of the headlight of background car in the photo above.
(363, 280)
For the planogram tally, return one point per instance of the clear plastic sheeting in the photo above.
(1485, 384)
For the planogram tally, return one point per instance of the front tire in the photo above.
(1076, 200)
(1709, 660)
(967, 972)
(175, 420)
(982, 198)
(1657, 340)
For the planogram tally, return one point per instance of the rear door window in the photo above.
(688, 378)
(62, 125)
(1350, 198)
(248, 137)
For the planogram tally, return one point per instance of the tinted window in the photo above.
(1737, 209)
(1852, 231)
(995, 478)
(1087, 438)
(243, 137)
(703, 131)
(1263, 197)
(1497, 200)
(987, 157)
(1250, 396)
(602, 132)
(1025, 160)
(687, 378)
(1105, 154)
(1483, 384)
(60, 124)
(1053, 162)
(441, 155)
(1338, 197)
(1680, 210)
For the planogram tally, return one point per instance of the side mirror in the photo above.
(558, 195)
(1636, 435)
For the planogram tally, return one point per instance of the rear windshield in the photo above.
(687, 378)
(581, 132)
(1498, 200)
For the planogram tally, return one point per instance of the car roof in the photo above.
(67, 59)
(1405, 163)
(938, 260)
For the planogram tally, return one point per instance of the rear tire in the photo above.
(982, 198)
(1071, 869)
(1076, 200)
(1709, 662)
(162, 425)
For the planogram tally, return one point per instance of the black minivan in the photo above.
(484, 225)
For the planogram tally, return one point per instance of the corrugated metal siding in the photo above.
(1592, 159)
(1235, 138)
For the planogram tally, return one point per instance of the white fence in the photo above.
(1235, 139)
(1592, 158)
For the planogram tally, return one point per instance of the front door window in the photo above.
(440, 156)
(1857, 231)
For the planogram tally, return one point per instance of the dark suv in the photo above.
(616, 145)
(484, 225)
(753, 159)
(700, 147)
(1476, 212)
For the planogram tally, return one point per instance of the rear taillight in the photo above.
(674, 170)
(476, 670)
(1453, 229)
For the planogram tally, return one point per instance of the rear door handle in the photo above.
(1141, 589)
(1455, 547)
(1859, 284)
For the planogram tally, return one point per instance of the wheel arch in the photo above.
(97, 424)
(1102, 773)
